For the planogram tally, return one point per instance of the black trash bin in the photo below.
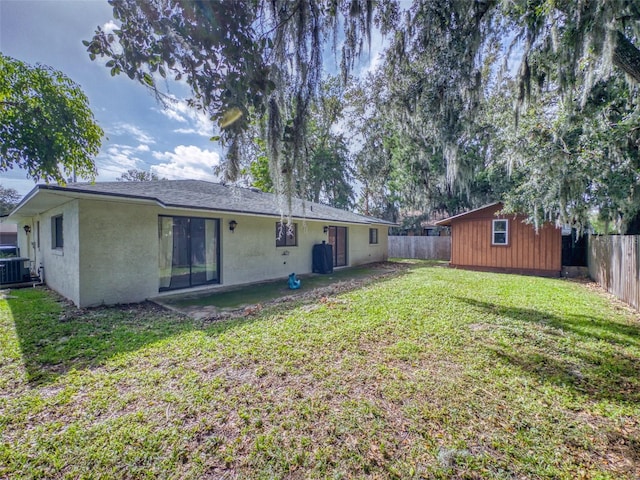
(322, 258)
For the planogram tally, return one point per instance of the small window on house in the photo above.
(56, 232)
(500, 232)
(38, 233)
(373, 236)
(286, 235)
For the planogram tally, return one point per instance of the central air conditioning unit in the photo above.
(14, 270)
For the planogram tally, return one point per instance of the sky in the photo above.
(139, 133)
(173, 142)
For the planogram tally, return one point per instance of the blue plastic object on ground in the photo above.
(294, 283)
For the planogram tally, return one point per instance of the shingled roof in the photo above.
(448, 221)
(201, 195)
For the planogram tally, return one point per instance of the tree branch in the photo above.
(626, 56)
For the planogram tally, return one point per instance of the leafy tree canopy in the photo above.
(9, 198)
(134, 175)
(46, 126)
(571, 146)
(252, 59)
(326, 176)
(573, 163)
(241, 59)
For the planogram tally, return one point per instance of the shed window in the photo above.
(286, 235)
(56, 232)
(500, 232)
(373, 236)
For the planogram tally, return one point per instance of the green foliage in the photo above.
(242, 60)
(46, 126)
(259, 170)
(402, 160)
(434, 78)
(369, 127)
(327, 174)
(574, 162)
(429, 127)
(9, 198)
(446, 105)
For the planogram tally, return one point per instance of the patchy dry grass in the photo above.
(236, 298)
(437, 373)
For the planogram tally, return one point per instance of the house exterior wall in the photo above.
(526, 252)
(27, 242)
(61, 266)
(360, 251)
(111, 250)
(249, 254)
(118, 252)
(22, 241)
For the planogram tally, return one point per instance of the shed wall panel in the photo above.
(527, 249)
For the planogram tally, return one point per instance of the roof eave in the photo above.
(447, 221)
(19, 210)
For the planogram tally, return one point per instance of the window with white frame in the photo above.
(373, 236)
(500, 232)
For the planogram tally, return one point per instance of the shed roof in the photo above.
(188, 194)
(448, 221)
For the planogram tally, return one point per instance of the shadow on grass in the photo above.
(55, 337)
(602, 371)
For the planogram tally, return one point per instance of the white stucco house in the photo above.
(123, 242)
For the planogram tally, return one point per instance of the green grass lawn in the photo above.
(436, 373)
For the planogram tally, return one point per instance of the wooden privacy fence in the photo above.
(429, 248)
(614, 262)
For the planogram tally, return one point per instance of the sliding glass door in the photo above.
(189, 251)
(338, 238)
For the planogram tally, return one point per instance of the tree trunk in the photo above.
(627, 57)
(633, 226)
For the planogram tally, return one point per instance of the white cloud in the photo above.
(187, 162)
(127, 129)
(188, 131)
(117, 159)
(198, 122)
(172, 114)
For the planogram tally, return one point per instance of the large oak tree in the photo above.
(241, 59)
(264, 59)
